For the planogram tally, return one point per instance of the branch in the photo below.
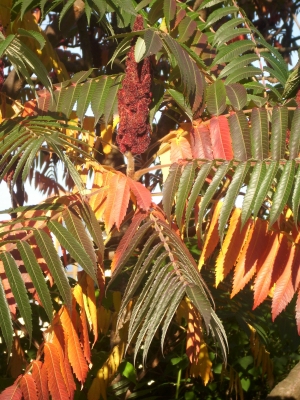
(289, 388)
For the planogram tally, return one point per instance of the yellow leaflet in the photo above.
(117, 300)
(88, 124)
(212, 237)
(229, 243)
(203, 366)
(106, 136)
(104, 317)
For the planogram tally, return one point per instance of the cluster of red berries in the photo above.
(133, 102)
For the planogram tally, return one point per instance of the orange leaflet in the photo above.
(201, 142)
(60, 344)
(28, 387)
(92, 305)
(142, 194)
(220, 138)
(262, 283)
(39, 375)
(251, 253)
(193, 335)
(75, 354)
(56, 382)
(232, 245)
(180, 149)
(212, 237)
(284, 290)
(116, 202)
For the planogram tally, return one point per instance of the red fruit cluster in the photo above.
(133, 102)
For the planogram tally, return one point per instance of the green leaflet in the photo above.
(292, 84)
(139, 49)
(265, 186)
(209, 3)
(202, 175)
(173, 285)
(232, 34)
(81, 76)
(231, 195)
(146, 297)
(294, 136)
(186, 29)
(111, 100)
(296, 196)
(176, 298)
(32, 35)
(279, 67)
(130, 249)
(140, 270)
(238, 63)
(4, 43)
(169, 11)
(18, 289)
(218, 14)
(55, 265)
(201, 302)
(210, 192)
(259, 134)
(257, 176)
(68, 99)
(170, 188)
(153, 42)
(283, 190)
(31, 59)
(180, 100)
(12, 161)
(237, 95)
(228, 53)
(216, 98)
(84, 99)
(240, 135)
(279, 128)
(218, 331)
(29, 154)
(93, 226)
(74, 247)
(185, 184)
(246, 72)
(99, 98)
(78, 231)
(224, 28)
(64, 10)
(142, 4)
(36, 276)
(184, 62)
(65, 159)
(5, 320)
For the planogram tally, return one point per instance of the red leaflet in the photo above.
(250, 255)
(39, 375)
(262, 283)
(297, 314)
(28, 387)
(75, 354)
(180, 149)
(11, 393)
(56, 382)
(142, 194)
(117, 201)
(201, 142)
(220, 138)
